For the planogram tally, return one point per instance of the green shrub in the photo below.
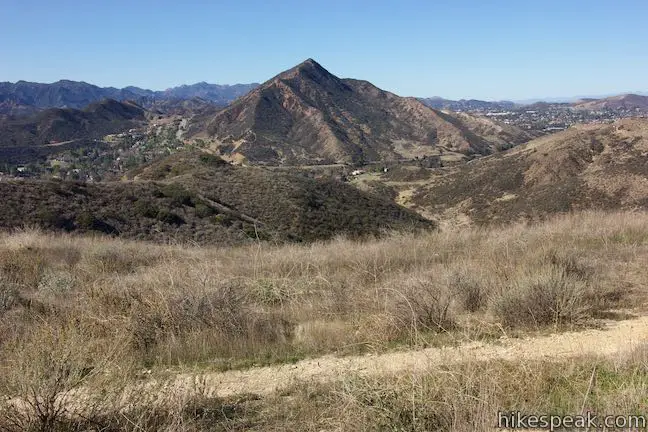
(146, 208)
(178, 194)
(169, 217)
(223, 219)
(211, 160)
(87, 221)
(203, 210)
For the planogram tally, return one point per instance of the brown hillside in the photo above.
(307, 115)
(588, 166)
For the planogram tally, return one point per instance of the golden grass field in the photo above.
(85, 321)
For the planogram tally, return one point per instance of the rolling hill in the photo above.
(306, 115)
(600, 166)
(626, 101)
(64, 124)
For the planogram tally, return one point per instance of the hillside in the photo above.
(626, 102)
(299, 207)
(64, 124)
(584, 167)
(184, 107)
(306, 115)
(199, 198)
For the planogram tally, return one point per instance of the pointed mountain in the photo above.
(308, 115)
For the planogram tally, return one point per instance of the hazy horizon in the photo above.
(467, 50)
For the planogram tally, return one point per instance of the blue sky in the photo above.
(486, 49)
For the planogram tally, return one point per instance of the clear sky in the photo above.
(488, 49)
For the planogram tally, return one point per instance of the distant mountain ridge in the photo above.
(437, 102)
(306, 115)
(626, 101)
(25, 97)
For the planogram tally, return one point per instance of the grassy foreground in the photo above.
(95, 313)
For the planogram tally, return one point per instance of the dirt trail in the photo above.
(615, 337)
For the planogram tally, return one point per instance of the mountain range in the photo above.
(25, 97)
(306, 115)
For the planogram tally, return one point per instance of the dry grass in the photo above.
(465, 397)
(78, 312)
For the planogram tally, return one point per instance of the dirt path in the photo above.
(615, 338)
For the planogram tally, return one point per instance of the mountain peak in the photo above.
(309, 70)
(310, 62)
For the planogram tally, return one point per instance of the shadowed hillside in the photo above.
(307, 115)
(300, 207)
(199, 198)
(56, 124)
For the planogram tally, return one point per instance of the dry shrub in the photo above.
(23, 267)
(119, 258)
(270, 291)
(548, 296)
(321, 336)
(470, 292)
(194, 324)
(9, 295)
(57, 283)
(163, 407)
(47, 370)
(422, 303)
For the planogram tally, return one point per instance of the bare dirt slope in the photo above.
(614, 338)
